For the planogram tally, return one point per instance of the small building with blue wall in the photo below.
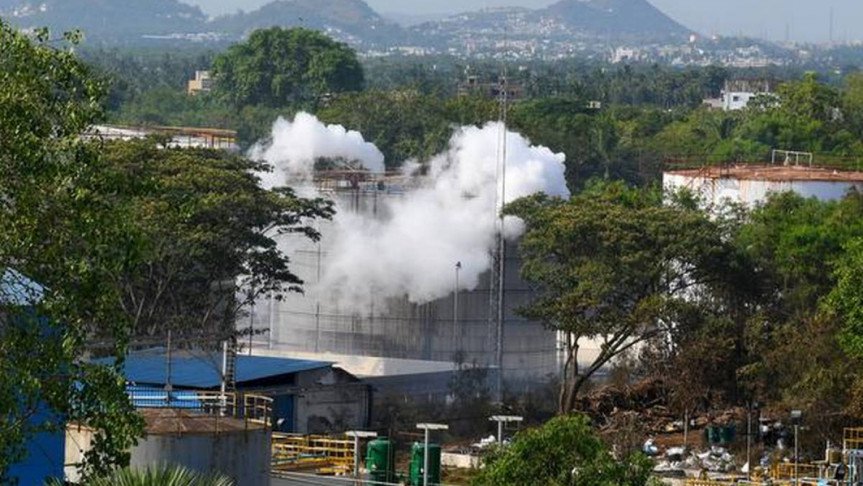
(309, 397)
(45, 451)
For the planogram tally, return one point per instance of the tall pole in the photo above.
(168, 386)
(455, 307)
(796, 456)
(224, 376)
(426, 459)
(501, 245)
(749, 442)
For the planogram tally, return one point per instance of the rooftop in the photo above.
(780, 173)
(203, 370)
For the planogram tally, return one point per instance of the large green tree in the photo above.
(209, 236)
(279, 67)
(60, 233)
(616, 266)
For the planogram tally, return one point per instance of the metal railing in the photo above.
(251, 408)
(313, 454)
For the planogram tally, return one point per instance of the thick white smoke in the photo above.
(448, 216)
(294, 146)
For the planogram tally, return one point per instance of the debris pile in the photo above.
(715, 460)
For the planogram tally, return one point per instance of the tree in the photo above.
(562, 452)
(278, 67)
(402, 124)
(614, 264)
(160, 475)
(208, 237)
(65, 238)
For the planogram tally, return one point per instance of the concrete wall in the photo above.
(244, 456)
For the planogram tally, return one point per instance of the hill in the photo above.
(352, 21)
(113, 21)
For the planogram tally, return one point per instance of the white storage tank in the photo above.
(751, 184)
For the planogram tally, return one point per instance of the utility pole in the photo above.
(501, 289)
(168, 387)
(426, 428)
(455, 307)
(357, 435)
(503, 419)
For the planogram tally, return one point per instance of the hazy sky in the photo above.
(802, 20)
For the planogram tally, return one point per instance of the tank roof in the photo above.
(771, 173)
(162, 421)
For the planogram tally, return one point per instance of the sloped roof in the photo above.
(204, 370)
(18, 290)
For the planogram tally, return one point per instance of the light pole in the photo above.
(455, 306)
(357, 435)
(796, 415)
(502, 419)
(426, 428)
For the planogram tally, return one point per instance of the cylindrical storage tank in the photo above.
(380, 460)
(394, 327)
(239, 449)
(750, 184)
(418, 461)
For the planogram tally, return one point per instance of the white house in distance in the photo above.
(202, 83)
(738, 92)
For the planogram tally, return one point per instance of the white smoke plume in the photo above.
(295, 145)
(448, 216)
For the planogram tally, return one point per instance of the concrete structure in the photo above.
(751, 184)
(207, 442)
(738, 92)
(396, 328)
(473, 86)
(201, 83)
(179, 137)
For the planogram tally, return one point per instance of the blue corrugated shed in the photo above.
(204, 370)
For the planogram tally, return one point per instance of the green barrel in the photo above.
(380, 460)
(727, 434)
(416, 466)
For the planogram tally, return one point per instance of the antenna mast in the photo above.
(501, 239)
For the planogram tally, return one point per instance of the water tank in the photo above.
(418, 460)
(237, 448)
(380, 460)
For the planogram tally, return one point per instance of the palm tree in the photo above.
(163, 475)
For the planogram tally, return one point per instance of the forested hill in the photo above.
(116, 21)
(351, 21)
(613, 18)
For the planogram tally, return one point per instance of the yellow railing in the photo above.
(255, 408)
(852, 438)
(786, 470)
(315, 454)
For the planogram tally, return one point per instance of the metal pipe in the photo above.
(426, 459)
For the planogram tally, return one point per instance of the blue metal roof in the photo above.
(203, 370)
(18, 290)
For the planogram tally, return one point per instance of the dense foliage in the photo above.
(563, 452)
(62, 233)
(276, 66)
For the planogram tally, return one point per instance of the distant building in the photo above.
(180, 137)
(202, 83)
(737, 93)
